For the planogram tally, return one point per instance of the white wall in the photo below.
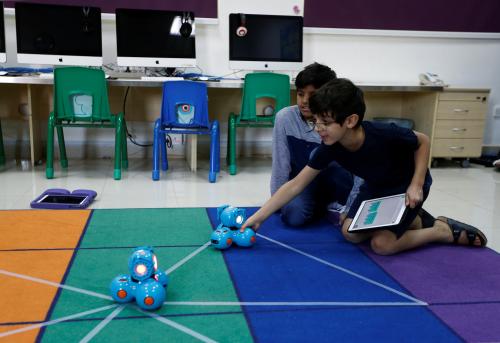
(370, 59)
(461, 62)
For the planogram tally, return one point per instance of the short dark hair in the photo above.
(339, 98)
(314, 74)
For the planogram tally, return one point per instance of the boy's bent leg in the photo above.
(354, 237)
(385, 242)
(301, 209)
(338, 183)
(312, 202)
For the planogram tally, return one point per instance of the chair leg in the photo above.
(228, 139)
(212, 174)
(117, 173)
(156, 151)
(124, 146)
(63, 159)
(2, 150)
(218, 148)
(49, 166)
(232, 144)
(163, 149)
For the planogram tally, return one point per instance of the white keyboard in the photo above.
(161, 78)
(124, 75)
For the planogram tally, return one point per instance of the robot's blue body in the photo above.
(228, 231)
(145, 283)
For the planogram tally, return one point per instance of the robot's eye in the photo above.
(141, 269)
(239, 219)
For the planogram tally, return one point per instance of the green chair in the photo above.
(2, 150)
(256, 86)
(81, 100)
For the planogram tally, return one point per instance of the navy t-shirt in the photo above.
(386, 158)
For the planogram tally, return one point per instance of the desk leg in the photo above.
(191, 151)
(38, 104)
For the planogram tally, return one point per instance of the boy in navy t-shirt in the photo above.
(390, 159)
(293, 142)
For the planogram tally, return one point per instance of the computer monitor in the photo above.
(3, 56)
(154, 38)
(58, 34)
(265, 42)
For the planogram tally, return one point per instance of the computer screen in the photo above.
(265, 42)
(154, 38)
(58, 34)
(3, 57)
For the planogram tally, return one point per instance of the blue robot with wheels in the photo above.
(228, 231)
(145, 283)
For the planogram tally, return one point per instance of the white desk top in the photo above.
(37, 80)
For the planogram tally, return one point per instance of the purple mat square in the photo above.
(474, 322)
(461, 285)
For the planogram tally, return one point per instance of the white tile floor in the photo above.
(471, 195)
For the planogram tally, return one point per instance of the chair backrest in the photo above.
(184, 104)
(264, 85)
(80, 94)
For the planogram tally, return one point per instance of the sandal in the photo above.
(472, 232)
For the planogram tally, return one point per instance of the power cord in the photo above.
(129, 135)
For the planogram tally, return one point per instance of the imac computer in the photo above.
(265, 42)
(58, 34)
(154, 38)
(3, 56)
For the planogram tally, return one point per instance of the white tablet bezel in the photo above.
(399, 217)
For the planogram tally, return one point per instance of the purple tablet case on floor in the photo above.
(59, 195)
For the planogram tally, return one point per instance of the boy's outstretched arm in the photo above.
(414, 193)
(284, 194)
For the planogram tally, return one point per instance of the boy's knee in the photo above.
(382, 245)
(350, 237)
(294, 216)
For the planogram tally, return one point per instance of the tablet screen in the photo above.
(63, 199)
(379, 212)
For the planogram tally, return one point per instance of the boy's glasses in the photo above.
(318, 124)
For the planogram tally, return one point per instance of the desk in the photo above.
(453, 118)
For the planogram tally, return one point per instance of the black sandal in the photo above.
(472, 232)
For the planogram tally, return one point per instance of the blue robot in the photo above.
(228, 231)
(145, 283)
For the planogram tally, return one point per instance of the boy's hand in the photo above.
(252, 223)
(414, 195)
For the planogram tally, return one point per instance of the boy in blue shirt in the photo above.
(390, 159)
(293, 142)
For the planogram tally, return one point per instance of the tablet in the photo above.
(58, 198)
(379, 213)
(62, 199)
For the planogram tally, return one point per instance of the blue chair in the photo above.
(184, 110)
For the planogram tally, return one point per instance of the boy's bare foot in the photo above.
(460, 233)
